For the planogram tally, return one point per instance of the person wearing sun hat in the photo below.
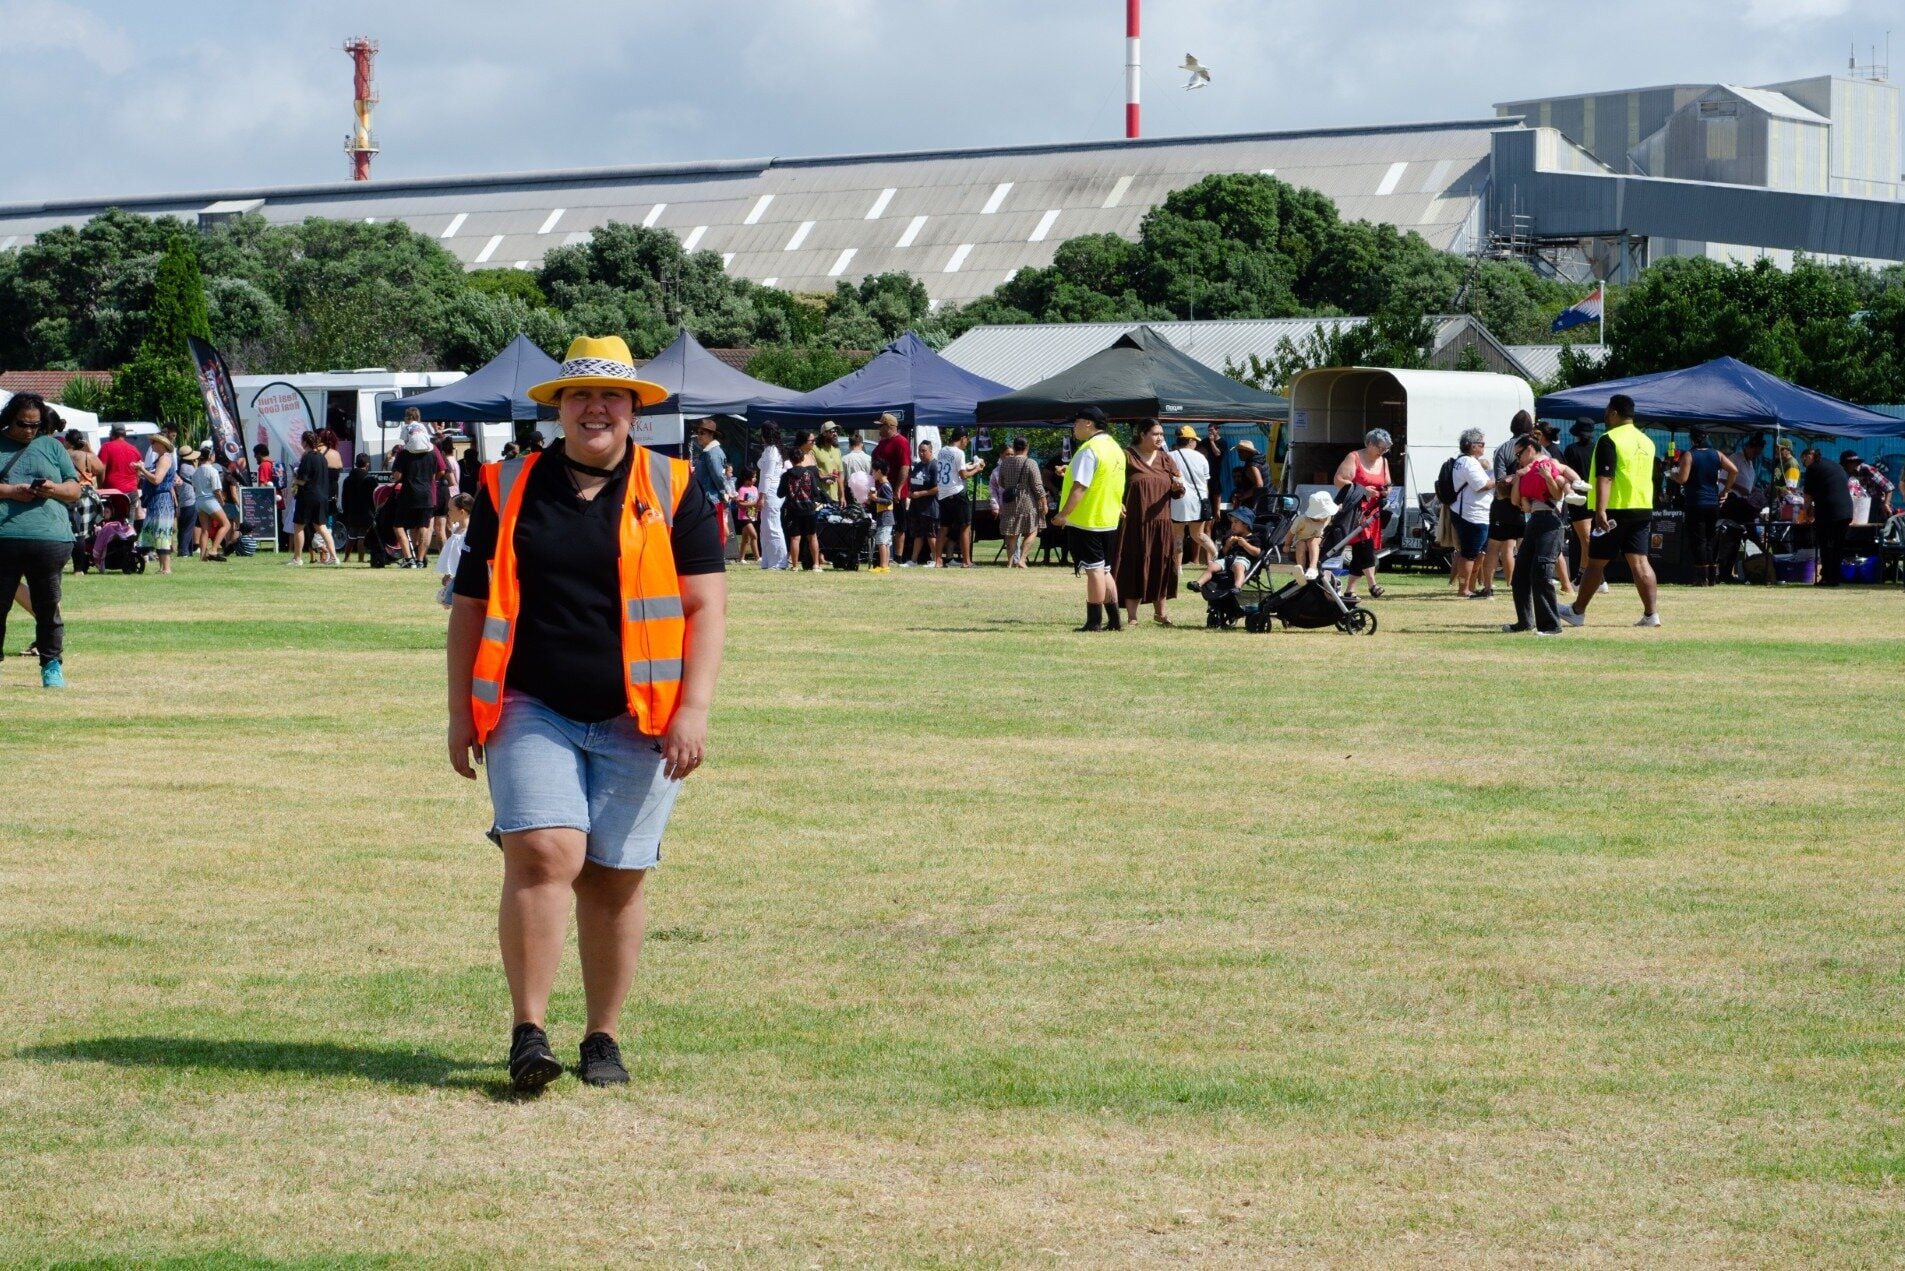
(585, 639)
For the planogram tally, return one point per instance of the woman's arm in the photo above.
(704, 606)
(466, 632)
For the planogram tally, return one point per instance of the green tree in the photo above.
(159, 383)
(519, 284)
(802, 368)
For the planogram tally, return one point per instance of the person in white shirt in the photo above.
(955, 509)
(857, 466)
(1474, 495)
(452, 554)
(1188, 510)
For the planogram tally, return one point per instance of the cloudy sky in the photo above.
(115, 97)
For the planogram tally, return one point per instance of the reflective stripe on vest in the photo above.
(1103, 500)
(654, 627)
(1633, 483)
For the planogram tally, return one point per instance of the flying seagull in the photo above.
(1200, 73)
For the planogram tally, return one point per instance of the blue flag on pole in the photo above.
(1588, 310)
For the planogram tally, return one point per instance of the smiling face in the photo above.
(595, 423)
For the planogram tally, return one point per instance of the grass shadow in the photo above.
(393, 1066)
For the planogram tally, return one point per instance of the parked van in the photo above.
(347, 403)
(1425, 412)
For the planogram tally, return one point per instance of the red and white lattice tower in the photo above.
(1131, 68)
(359, 145)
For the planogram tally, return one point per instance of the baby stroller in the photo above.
(115, 546)
(1308, 603)
(845, 530)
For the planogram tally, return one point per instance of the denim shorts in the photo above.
(547, 771)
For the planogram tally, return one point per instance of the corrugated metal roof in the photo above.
(1543, 361)
(1775, 104)
(1428, 178)
(1020, 355)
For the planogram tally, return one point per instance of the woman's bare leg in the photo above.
(608, 920)
(540, 869)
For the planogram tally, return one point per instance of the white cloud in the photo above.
(50, 26)
(255, 94)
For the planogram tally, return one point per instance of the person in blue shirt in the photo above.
(1702, 474)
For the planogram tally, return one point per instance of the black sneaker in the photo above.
(532, 1065)
(602, 1061)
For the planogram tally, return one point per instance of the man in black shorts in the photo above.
(922, 509)
(1621, 494)
(310, 504)
(1578, 456)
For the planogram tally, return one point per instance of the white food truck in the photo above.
(347, 403)
(1425, 413)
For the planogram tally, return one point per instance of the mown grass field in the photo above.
(978, 943)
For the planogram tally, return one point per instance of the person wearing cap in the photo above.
(1877, 486)
(1091, 502)
(1828, 496)
(711, 470)
(1699, 474)
(1191, 511)
(1240, 548)
(121, 460)
(1620, 484)
(586, 629)
(1364, 474)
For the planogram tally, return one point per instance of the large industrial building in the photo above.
(1831, 135)
(1600, 183)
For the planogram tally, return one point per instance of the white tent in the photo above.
(84, 420)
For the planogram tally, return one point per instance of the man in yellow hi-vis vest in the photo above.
(1621, 494)
(1091, 501)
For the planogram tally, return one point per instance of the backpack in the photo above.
(1445, 484)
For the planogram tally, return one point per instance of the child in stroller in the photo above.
(1243, 548)
(1304, 539)
(1304, 601)
(115, 546)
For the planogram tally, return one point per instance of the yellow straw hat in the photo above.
(598, 361)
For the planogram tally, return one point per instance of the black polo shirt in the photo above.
(568, 645)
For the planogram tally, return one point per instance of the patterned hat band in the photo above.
(602, 366)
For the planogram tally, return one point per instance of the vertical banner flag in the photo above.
(283, 419)
(221, 402)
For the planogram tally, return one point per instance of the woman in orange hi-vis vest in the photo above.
(585, 639)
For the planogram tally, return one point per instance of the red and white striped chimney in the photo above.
(1131, 68)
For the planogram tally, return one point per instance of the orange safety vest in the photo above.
(652, 624)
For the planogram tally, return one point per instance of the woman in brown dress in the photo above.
(1147, 549)
(1022, 503)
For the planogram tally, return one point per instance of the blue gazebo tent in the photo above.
(495, 392)
(906, 377)
(700, 384)
(1724, 393)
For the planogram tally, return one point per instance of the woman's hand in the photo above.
(685, 743)
(463, 745)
